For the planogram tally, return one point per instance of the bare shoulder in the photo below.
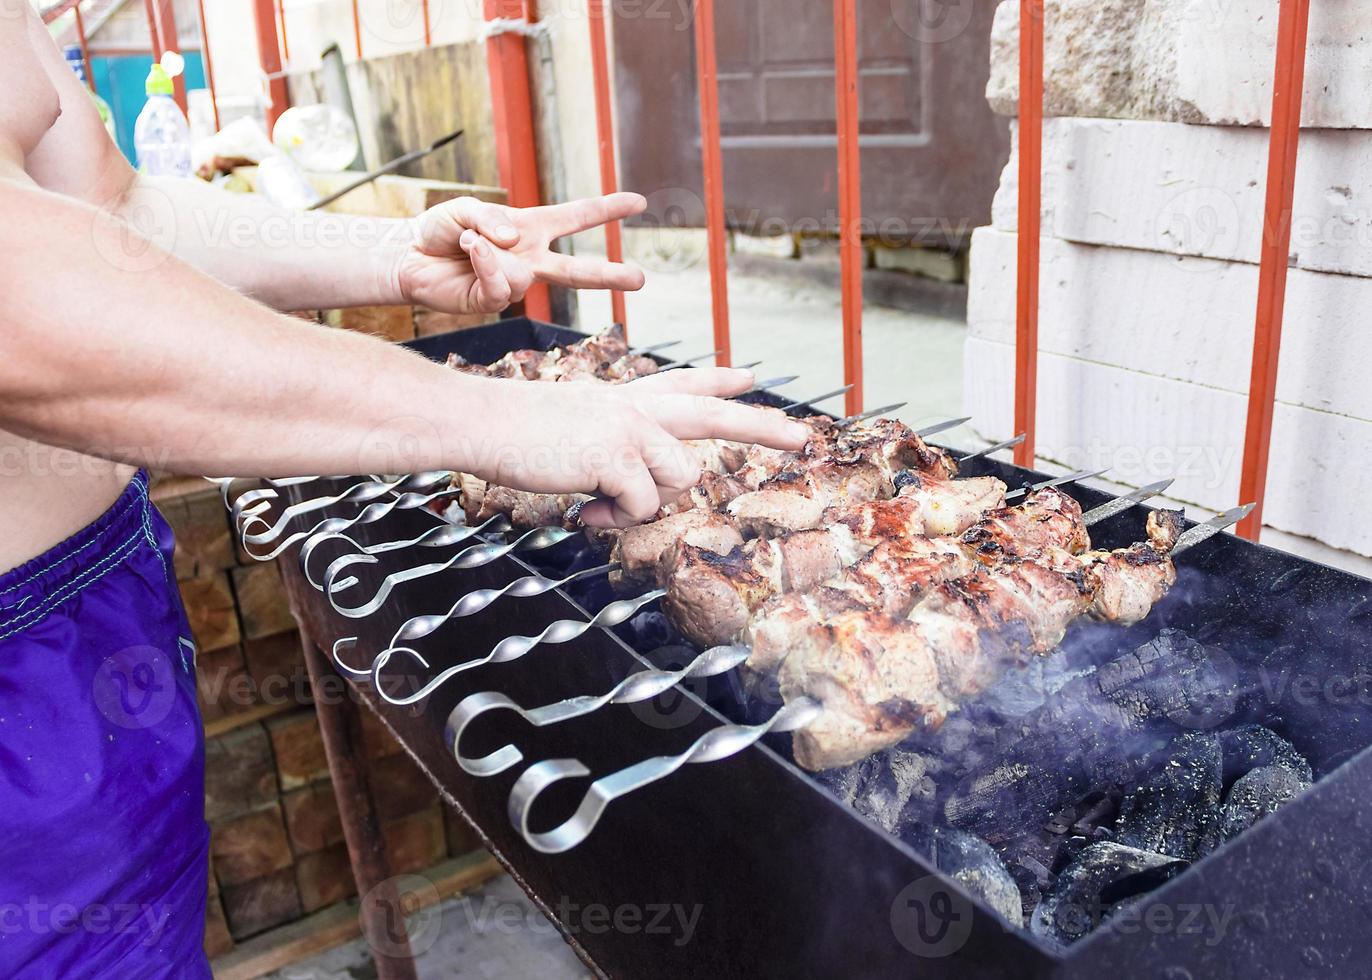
(31, 105)
(50, 123)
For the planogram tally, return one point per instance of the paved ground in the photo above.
(492, 933)
(797, 328)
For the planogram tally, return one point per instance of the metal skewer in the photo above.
(1203, 532)
(685, 361)
(991, 450)
(331, 526)
(1059, 481)
(818, 398)
(648, 684)
(359, 493)
(719, 743)
(435, 537)
(473, 557)
(768, 384)
(512, 647)
(637, 687)
(884, 410)
(654, 348)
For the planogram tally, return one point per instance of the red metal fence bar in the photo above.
(85, 46)
(269, 57)
(428, 31)
(849, 196)
(712, 163)
(1030, 196)
(357, 31)
(605, 132)
(209, 62)
(281, 26)
(1288, 84)
(512, 108)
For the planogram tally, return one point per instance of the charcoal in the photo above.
(1104, 878)
(1256, 794)
(1175, 808)
(969, 861)
(1251, 746)
(845, 781)
(882, 786)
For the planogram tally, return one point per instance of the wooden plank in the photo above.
(261, 904)
(262, 606)
(299, 749)
(218, 941)
(400, 788)
(211, 611)
(201, 525)
(393, 323)
(239, 774)
(338, 924)
(231, 723)
(277, 669)
(415, 842)
(249, 847)
(312, 821)
(325, 877)
(223, 684)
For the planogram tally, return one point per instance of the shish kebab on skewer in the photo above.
(878, 678)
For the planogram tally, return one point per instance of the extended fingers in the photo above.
(718, 382)
(591, 212)
(589, 273)
(700, 417)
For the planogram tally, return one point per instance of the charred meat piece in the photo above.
(639, 549)
(525, 510)
(1129, 582)
(711, 597)
(1016, 530)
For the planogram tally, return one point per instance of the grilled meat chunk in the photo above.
(1128, 583)
(1054, 520)
(525, 510)
(639, 549)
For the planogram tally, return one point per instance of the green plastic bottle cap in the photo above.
(159, 82)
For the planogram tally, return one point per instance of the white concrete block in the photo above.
(1181, 318)
(1198, 61)
(932, 263)
(1149, 428)
(1198, 190)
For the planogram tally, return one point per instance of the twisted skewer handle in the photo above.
(720, 743)
(512, 647)
(434, 537)
(473, 557)
(418, 627)
(642, 686)
(359, 493)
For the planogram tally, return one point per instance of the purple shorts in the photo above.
(102, 832)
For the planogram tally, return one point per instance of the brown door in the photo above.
(931, 148)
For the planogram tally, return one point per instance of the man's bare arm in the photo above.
(295, 260)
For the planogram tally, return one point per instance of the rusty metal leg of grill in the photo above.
(382, 914)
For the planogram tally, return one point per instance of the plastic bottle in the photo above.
(78, 65)
(161, 136)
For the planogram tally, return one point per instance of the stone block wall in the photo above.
(1154, 184)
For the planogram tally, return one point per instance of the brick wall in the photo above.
(277, 851)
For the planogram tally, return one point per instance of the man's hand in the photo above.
(474, 257)
(621, 442)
